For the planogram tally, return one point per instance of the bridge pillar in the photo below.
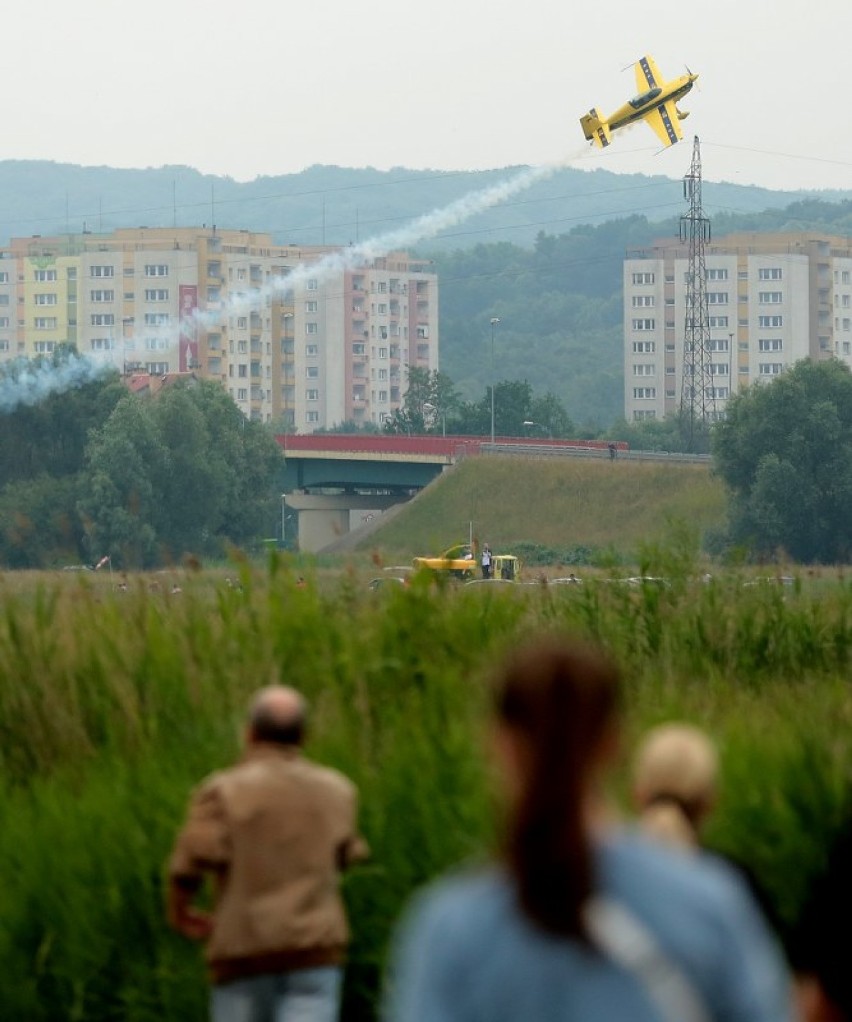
(324, 517)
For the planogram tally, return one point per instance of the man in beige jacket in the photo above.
(274, 832)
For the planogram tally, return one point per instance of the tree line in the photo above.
(98, 471)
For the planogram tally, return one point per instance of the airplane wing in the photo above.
(665, 122)
(647, 74)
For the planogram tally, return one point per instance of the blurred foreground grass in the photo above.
(114, 703)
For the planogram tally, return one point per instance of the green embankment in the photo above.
(558, 503)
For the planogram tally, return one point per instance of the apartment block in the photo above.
(295, 335)
(772, 300)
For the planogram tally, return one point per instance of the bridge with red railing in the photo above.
(330, 476)
(347, 460)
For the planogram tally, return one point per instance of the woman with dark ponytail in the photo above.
(579, 919)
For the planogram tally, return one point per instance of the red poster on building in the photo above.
(188, 348)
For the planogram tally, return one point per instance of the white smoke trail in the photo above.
(420, 229)
(25, 383)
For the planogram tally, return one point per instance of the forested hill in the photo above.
(338, 205)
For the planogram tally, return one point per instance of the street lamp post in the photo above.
(494, 322)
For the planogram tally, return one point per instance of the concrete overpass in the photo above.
(328, 476)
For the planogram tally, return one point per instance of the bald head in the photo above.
(277, 715)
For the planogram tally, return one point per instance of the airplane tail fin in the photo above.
(595, 129)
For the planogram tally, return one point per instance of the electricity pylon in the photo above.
(697, 401)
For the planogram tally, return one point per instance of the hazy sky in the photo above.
(262, 88)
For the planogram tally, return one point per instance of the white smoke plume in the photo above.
(25, 383)
(423, 227)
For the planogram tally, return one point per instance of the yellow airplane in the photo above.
(655, 103)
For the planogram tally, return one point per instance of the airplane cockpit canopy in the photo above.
(645, 97)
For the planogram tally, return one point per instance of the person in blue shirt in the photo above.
(578, 919)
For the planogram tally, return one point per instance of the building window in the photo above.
(102, 318)
(312, 395)
(4, 276)
(101, 344)
(719, 368)
(46, 299)
(643, 278)
(312, 417)
(644, 347)
(311, 350)
(717, 297)
(643, 369)
(644, 324)
(769, 273)
(643, 301)
(156, 319)
(383, 396)
(158, 269)
(311, 328)
(718, 344)
(770, 368)
(45, 323)
(156, 294)
(768, 321)
(769, 297)
(383, 352)
(312, 372)
(44, 347)
(43, 276)
(312, 285)
(645, 414)
(311, 306)
(4, 322)
(359, 349)
(719, 392)
(644, 393)
(4, 345)
(770, 344)
(717, 274)
(102, 296)
(102, 271)
(717, 322)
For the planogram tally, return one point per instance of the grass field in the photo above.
(555, 502)
(113, 704)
